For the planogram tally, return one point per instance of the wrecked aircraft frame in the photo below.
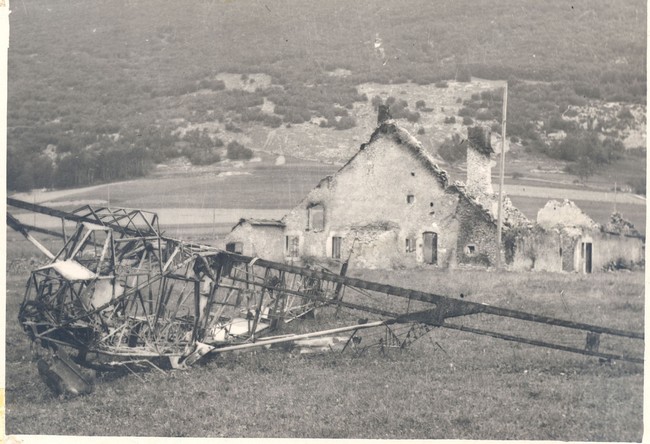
(120, 293)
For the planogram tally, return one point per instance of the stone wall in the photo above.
(564, 214)
(562, 249)
(479, 162)
(477, 235)
(538, 249)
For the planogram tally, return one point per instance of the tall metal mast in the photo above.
(502, 172)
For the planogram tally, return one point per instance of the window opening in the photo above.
(292, 246)
(316, 218)
(336, 247)
(235, 247)
(410, 245)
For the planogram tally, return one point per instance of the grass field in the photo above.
(447, 385)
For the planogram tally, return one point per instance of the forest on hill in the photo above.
(97, 88)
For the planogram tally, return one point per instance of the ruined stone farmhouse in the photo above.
(392, 206)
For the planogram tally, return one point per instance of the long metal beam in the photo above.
(472, 307)
(545, 344)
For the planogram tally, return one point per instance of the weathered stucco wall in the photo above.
(539, 250)
(607, 248)
(259, 241)
(562, 249)
(382, 197)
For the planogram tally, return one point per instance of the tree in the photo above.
(453, 149)
(237, 151)
(584, 167)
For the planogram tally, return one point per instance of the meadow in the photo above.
(448, 384)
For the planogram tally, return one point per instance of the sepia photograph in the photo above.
(373, 219)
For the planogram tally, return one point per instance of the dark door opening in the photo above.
(430, 247)
(588, 252)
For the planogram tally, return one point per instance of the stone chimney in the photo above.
(479, 168)
(383, 114)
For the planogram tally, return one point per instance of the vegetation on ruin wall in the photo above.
(110, 84)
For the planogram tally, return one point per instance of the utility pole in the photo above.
(502, 172)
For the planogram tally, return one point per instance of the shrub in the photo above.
(484, 114)
(638, 185)
(232, 128)
(237, 151)
(201, 156)
(469, 112)
(413, 117)
(587, 90)
(214, 85)
(421, 130)
(341, 112)
(376, 101)
(453, 149)
(272, 121)
(345, 122)
(450, 119)
(463, 74)
(468, 121)
(625, 114)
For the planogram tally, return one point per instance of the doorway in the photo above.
(587, 251)
(430, 247)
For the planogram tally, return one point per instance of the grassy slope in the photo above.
(449, 385)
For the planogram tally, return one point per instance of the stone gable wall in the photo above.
(368, 200)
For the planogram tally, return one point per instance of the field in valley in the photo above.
(221, 194)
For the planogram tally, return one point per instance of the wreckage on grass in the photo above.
(121, 294)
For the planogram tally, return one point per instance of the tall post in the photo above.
(502, 171)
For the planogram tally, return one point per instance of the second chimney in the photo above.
(383, 114)
(479, 168)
